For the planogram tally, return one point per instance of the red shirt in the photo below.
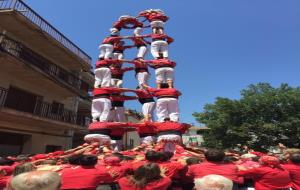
(111, 40)
(121, 48)
(115, 132)
(116, 169)
(139, 41)
(121, 98)
(117, 72)
(154, 16)
(206, 168)
(107, 62)
(164, 92)
(140, 66)
(170, 126)
(84, 177)
(124, 22)
(163, 37)
(106, 125)
(107, 91)
(267, 178)
(161, 184)
(172, 168)
(294, 170)
(158, 63)
(143, 94)
(4, 180)
(144, 128)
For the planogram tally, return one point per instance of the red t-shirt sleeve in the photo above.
(255, 172)
(161, 184)
(127, 69)
(190, 172)
(169, 39)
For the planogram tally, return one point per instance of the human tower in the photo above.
(108, 113)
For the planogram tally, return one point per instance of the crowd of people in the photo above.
(161, 162)
(148, 167)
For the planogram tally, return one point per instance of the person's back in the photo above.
(214, 165)
(146, 177)
(294, 168)
(35, 180)
(160, 184)
(270, 175)
(85, 176)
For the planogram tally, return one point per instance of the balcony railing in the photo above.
(26, 55)
(35, 18)
(43, 109)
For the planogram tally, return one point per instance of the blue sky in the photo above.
(220, 46)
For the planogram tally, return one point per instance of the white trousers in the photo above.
(148, 108)
(102, 77)
(106, 51)
(159, 46)
(116, 83)
(157, 24)
(112, 115)
(118, 145)
(141, 52)
(148, 140)
(167, 107)
(118, 56)
(117, 114)
(100, 109)
(164, 74)
(142, 78)
(120, 114)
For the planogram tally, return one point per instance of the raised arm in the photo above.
(127, 69)
(130, 97)
(169, 39)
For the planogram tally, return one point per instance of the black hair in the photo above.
(165, 156)
(295, 158)
(6, 162)
(167, 119)
(164, 85)
(145, 174)
(214, 155)
(230, 159)
(88, 160)
(153, 156)
(127, 158)
(119, 155)
(192, 160)
(21, 158)
(75, 159)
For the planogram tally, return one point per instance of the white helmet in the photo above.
(102, 139)
(148, 140)
(158, 10)
(114, 31)
(169, 138)
(137, 31)
(125, 16)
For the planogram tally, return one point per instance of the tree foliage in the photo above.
(263, 117)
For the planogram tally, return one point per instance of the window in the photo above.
(131, 143)
(57, 108)
(21, 100)
(52, 148)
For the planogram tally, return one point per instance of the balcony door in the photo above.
(21, 100)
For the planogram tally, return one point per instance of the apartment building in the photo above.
(44, 83)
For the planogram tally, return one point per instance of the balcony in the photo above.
(52, 71)
(29, 27)
(36, 107)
